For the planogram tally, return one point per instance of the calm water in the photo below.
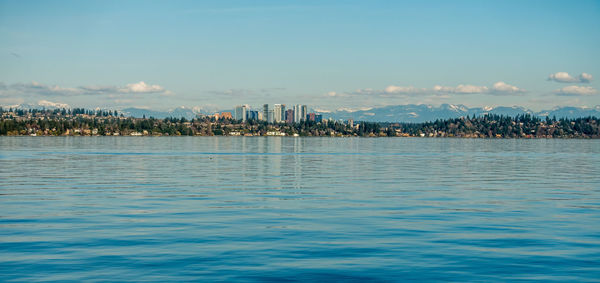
(274, 209)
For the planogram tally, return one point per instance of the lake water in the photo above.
(307, 209)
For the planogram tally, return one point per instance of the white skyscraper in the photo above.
(241, 112)
(304, 112)
(270, 116)
(300, 112)
(297, 113)
(279, 113)
(265, 113)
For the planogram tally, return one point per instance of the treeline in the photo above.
(492, 126)
(100, 122)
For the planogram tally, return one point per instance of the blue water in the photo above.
(305, 209)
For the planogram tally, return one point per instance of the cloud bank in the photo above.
(576, 91)
(35, 88)
(498, 88)
(564, 77)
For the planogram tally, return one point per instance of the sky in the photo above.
(327, 54)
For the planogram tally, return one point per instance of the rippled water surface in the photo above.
(273, 209)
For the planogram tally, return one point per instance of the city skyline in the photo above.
(279, 113)
(212, 55)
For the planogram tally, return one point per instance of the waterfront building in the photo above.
(275, 133)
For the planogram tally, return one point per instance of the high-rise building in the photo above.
(266, 112)
(270, 116)
(279, 113)
(289, 116)
(300, 112)
(297, 113)
(315, 117)
(304, 112)
(252, 115)
(318, 118)
(241, 112)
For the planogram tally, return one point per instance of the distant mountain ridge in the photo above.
(178, 112)
(423, 113)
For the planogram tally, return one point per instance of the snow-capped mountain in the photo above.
(178, 112)
(42, 104)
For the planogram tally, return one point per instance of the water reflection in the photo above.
(258, 209)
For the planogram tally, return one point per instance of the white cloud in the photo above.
(564, 77)
(576, 91)
(248, 93)
(347, 109)
(504, 88)
(35, 88)
(461, 89)
(585, 78)
(392, 89)
(498, 88)
(320, 110)
(39, 88)
(142, 87)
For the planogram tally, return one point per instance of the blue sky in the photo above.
(328, 54)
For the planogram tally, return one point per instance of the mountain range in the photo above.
(424, 113)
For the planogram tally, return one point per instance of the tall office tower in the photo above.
(237, 113)
(318, 118)
(270, 116)
(252, 115)
(279, 113)
(266, 112)
(304, 110)
(241, 112)
(297, 113)
(289, 116)
(300, 112)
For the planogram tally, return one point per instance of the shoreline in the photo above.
(292, 137)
